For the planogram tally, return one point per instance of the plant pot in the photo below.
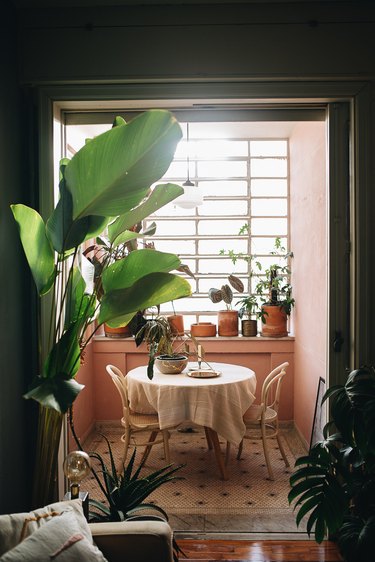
(227, 322)
(171, 365)
(176, 322)
(203, 330)
(249, 328)
(122, 332)
(275, 325)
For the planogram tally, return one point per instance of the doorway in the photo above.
(344, 148)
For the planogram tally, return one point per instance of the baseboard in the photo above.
(304, 443)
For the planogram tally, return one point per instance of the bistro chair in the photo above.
(134, 422)
(264, 416)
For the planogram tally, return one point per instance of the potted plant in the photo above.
(227, 319)
(105, 185)
(157, 333)
(103, 253)
(249, 307)
(275, 293)
(335, 482)
(125, 492)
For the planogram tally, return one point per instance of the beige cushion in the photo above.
(61, 539)
(17, 526)
(141, 541)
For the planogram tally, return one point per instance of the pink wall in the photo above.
(84, 405)
(308, 211)
(260, 354)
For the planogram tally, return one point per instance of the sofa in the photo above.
(60, 532)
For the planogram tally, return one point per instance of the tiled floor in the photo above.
(201, 504)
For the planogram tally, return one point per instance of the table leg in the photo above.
(208, 438)
(219, 458)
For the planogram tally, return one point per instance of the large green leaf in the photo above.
(125, 272)
(37, 247)
(64, 358)
(148, 291)
(161, 195)
(57, 393)
(62, 230)
(111, 174)
(80, 306)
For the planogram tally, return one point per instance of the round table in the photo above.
(217, 404)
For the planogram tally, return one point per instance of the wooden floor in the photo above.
(258, 551)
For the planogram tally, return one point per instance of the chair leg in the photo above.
(165, 433)
(282, 450)
(239, 453)
(208, 438)
(266, 454)
(148, 448)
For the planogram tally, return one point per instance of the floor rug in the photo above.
(201, 502)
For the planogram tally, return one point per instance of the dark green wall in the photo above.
(261, 40)
(16, 355)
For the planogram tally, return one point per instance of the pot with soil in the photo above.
(171, 364)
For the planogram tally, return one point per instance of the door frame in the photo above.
(349, 178)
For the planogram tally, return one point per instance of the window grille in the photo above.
(245, 181)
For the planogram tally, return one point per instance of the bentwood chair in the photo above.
(134, 422)
(264, 416)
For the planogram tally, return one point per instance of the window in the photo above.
(244, 181)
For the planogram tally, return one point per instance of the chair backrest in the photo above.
(120, 383)
(272, 387)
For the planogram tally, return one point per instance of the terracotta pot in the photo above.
(227, 322)
(249, 328)
(123, 332)
(203, 329)
(171, 365)
(275, 325)
(176, 322)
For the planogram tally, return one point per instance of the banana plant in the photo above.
(106, 185)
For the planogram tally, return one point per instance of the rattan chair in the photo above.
(134, 422)
(264, 416)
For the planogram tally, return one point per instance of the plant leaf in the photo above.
(56, 393)
(111, 174)
(150, 290)
(37, 247)
(62, 230)
(159, 196)
(125, 272)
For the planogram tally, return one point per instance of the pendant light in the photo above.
(192, 196)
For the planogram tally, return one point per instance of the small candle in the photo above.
(199, 352)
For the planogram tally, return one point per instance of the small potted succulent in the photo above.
(227, 319)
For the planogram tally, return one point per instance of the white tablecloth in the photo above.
(218, 403)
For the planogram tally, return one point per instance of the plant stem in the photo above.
(45, 473)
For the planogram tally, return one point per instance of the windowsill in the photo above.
(217, 344)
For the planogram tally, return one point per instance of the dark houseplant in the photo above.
(126, 491)
(335, 482)
(105, 185)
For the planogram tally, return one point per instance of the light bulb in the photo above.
(76, 466)
(192, 196)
